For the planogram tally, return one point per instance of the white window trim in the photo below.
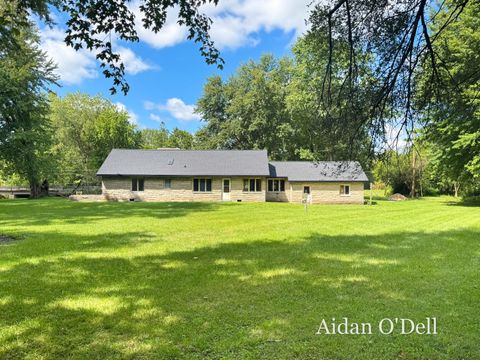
(199, 191)
(279, 187)
(255, 179)
(349, 190)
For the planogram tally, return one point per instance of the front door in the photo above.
(226, 190)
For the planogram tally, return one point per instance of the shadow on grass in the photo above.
(254, 299)
(468, 202)
(47, 211)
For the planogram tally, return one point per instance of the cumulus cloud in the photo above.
(155, 118)
(74, 67)
(176, 108)
(170, 34)
(236, 23)
(133, 63)
(132, 117)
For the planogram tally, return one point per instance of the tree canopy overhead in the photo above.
(92, 24)
(400, 40)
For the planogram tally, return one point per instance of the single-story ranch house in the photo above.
(227, 175)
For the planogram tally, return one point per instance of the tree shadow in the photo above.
(261, 298)
(48, 211)
(465, 202)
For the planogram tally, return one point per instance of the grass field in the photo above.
(146, 280)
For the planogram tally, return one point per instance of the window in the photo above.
(276, 185)
(252, 185)
(345, 190)
(258, 185)
(306, 189)
(226, 185)
(167, 183)
(202, 185)
(138, 184)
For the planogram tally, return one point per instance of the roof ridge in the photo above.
(232, 150)
(311, 161)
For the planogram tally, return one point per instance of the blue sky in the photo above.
(165, 71)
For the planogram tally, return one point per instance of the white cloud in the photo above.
(132, 117)
(155, 118)
(176, 108)
(133, 63)
(76, 66)
(72, 66)
(170, 34)
(236, 23)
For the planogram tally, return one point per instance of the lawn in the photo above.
(152, 280)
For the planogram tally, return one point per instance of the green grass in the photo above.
(146, 280)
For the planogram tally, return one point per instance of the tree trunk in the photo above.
(34, 190)
(456, 187)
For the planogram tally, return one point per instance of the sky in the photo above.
(165, 71)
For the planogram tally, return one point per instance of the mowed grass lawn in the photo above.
(160, 280)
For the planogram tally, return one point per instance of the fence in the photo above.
(58, 190)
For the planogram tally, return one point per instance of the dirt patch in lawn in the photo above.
(6, 239)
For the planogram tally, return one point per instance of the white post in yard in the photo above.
(371, 189)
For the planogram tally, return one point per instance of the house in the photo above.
(227, 175)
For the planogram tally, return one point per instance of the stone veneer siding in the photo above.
(119, 188)
(327, 192)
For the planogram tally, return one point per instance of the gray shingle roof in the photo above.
(318, 171)
(185, 163)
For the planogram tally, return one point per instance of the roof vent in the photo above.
(171, 161)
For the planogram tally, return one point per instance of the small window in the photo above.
(252, 185)
(202, 185)
(275, 185)
(168, 183)
(306, 189)
(138, 184)
(345, 190)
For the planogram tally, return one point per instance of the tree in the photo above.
(454, 113)
(92, 24)
(400, 42)
(86, 129)
(326, 132)
(249, 110)
(181, 139)
(274, 104)
(154, 138)
(25, 74)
